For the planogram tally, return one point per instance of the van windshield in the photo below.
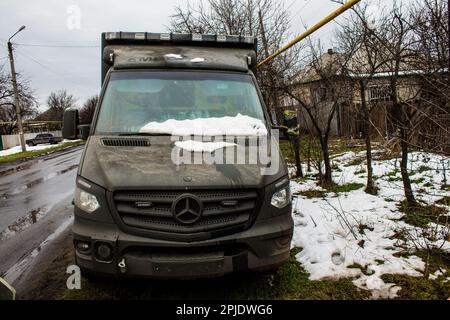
(134, 99)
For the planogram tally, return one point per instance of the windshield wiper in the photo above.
(149, 134)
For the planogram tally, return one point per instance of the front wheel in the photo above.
(31, 144)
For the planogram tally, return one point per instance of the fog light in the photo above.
(284, 241)
(104, 251)
(84, 247)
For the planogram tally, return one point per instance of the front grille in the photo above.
(221, 209)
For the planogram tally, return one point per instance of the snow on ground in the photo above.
(239, 125)
(352, 234)
(18, 149)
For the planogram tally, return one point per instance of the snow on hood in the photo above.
(239, 125)
(199, 146)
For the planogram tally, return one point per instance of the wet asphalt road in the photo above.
(35, 210)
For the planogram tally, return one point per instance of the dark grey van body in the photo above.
(137, 231)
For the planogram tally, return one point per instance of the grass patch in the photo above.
(418, 180)
(394, 179)
(360, 171)
(363, 269)
(444, 201)
(312, 193)
(287, 151)
(423, 288)
(419, 288)
(421, 216)
(338, 146)
(392, 173)
(34, 153)
(289, 282)
(338, 188)
(423, 168)
(362, 227)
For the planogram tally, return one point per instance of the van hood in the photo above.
(151, 167)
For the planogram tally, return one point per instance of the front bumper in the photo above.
(264, 246)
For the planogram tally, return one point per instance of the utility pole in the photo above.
(16, 93)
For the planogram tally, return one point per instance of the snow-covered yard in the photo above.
(354, 234)
(18, 149)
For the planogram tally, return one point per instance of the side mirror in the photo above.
(70, 124)
(84, 131)
(6, 291)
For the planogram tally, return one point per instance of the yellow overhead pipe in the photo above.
(308, 32)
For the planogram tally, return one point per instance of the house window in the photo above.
(380, 93)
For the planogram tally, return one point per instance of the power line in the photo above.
(38, 62)
(56, 45)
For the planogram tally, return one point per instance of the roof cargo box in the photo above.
(133, 50)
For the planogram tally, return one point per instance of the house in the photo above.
(331, 85)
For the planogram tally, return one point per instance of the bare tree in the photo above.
(60, 100)
(88, 109)
(357, 40)
(268, 21)
(430, 28)
(28, 104)
(320, 89)
(57, 103)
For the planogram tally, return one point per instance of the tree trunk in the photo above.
(327, 180)
(308, 166)
(410, 199)
(296, 144)
(370, 188)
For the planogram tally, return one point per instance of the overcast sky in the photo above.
(52, 23)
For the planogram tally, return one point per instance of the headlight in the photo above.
(281, 198)
(86, 201)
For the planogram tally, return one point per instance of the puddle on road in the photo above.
(17, 168)
(17, 270)
(23, 223)
(33, 183)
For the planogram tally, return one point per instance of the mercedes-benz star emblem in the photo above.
(187, 209)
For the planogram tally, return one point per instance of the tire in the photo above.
(31, 144)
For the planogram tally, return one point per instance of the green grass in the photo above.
(287, 151)
(313, 193)
(428, 185)
(339, 146)
(30, 154)
(363, 269)
(338, 188)
(421, 216)
(418, 180)
(419, 288)
(392, 173)
(289, 282)
(360, 171)
(423, 168)
(445, 201)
